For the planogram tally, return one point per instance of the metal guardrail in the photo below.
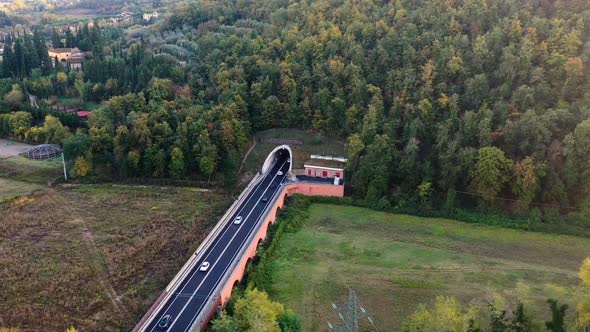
(212, 302)
(191, 262)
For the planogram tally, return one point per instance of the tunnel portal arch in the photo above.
(276, 151)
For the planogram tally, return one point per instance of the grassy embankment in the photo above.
(96, 257)
(19, 175)
(396, 262)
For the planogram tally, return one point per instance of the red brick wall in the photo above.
(308, 189)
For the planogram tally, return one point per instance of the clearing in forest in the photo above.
(395, 262)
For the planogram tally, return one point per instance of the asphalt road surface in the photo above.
(198, 286)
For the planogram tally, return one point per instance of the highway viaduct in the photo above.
(193, 296)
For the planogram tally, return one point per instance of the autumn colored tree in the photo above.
(446, 315)
(255, 312)
(225, 324)
(583, 307)
(82, 167)
(526, 182)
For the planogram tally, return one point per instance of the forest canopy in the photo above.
(439, 102)
(485, 97)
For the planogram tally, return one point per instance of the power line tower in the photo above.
(350, 314)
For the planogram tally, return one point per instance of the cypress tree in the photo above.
(8, 61)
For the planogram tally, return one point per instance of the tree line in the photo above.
(23, 54)
(440, 102)
(434, 98)
(496, 313)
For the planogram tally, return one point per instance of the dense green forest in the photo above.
(440, 102)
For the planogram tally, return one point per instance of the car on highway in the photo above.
(264, 199)
(204, 266)
(238, 220)
(164, 321)
(280, 173)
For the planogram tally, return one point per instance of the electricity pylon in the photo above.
(350, 314)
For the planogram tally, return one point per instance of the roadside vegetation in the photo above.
(398, 262)
(96, 257)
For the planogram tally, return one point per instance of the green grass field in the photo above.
(23, 169)
(11, 188)
(19, 175)
(396, 262)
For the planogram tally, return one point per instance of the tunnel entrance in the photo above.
(280, 151)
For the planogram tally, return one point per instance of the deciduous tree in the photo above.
(255, 312)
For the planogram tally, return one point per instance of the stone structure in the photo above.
(68, 57)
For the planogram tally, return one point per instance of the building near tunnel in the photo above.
(194, 295)
(325, 166)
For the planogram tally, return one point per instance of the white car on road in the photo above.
(204, 266)
(280, 173)
(238, 220)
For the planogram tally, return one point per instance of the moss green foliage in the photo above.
(253, 311)
(583, 306)
(448, 314)
(491, 172)
(291, 220)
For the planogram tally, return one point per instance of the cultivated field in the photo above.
(396, 262)
(96, 257)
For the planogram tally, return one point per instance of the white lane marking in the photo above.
(222, 253)
(230, 261)
(224, 250)
(212, 249)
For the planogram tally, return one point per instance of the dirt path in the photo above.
(99, 265)
(246, 156)
(11, 148)
(96, 257)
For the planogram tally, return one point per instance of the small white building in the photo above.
(325, 166)
(148, 17)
